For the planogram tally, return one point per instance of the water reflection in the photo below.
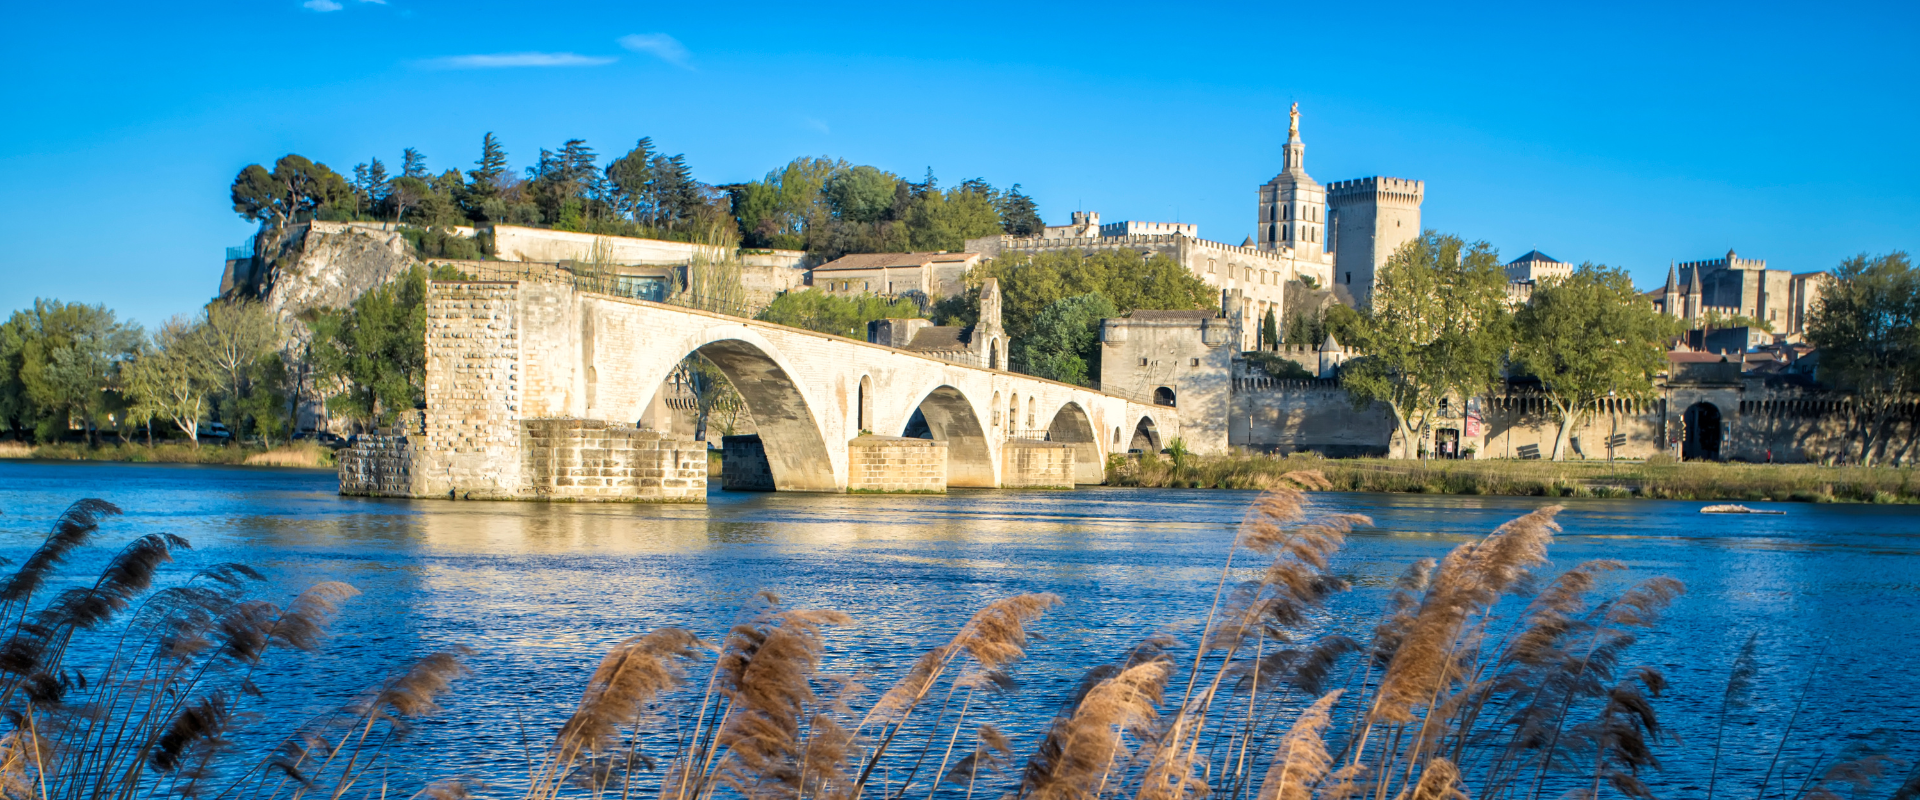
(541, 590)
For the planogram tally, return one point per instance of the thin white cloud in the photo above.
(505, 60)
(322, 6)
(816, 124)
(659, 45)
(375, 2)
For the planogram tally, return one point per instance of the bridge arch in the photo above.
(784, 414)
(1146, 437)
(1071, 425)
(950, 418)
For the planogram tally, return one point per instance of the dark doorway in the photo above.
(1703, 432)
(1446, 443)
(1163, 396)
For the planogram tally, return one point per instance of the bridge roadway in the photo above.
(501, 353)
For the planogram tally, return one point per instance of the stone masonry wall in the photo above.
(377, 466)
(895, 464)
(743, 465)
(1027, 464)
(473, 393)
(575, 459)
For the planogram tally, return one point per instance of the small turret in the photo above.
(1331, 356)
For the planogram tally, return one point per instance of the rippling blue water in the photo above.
(541, 590)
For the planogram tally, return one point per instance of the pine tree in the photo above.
(629, 180)
(485, 177)
(377, 180)
(413, 164)
(1019, 215)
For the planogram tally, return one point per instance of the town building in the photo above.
(936, 275)
(982, 344)
(1735, 286)
(1528, 271)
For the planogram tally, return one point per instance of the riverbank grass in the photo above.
(1658, 479)
(299, 454)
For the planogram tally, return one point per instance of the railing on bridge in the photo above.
(637, 287)
(1032, 434)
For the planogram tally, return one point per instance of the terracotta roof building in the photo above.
(936, 275)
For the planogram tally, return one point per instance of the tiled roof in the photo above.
(938, 338)
(1535, 255)
(883, 260)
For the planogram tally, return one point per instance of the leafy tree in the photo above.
(296, 189)
(946, 220)
(373, 353)
(1064, 340)
(1436, 332)
(239, 343)
(831, 314)
(173, 379)
(1589, 337)
(861, 194)
(1867, 326)
(714, 398)
(62, 364)
(1129, 279)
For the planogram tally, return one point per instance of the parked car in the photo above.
(215, 431)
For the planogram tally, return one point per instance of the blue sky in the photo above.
(1620, 133)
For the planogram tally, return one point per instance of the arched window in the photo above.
(1030, 402)
(996, 409)
(1116, 437)
(1013, 413)
(863, 404)
(1163, 396)
(993, 354)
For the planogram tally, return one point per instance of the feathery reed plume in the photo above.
(994, 637)
(990, 752)
(73, 528)
(201, 724)
(632, 673)
(1402, 603)
(1440, 780)
(1624, 734)
(1737, 697)
(1860, 765)
(449, 789)
(1302, 761)
(769, 693)
(1469, 580)
(1089, 741)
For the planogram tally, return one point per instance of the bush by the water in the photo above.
(1656, 478)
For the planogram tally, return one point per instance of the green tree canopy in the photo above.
(60, 365)
(1437, 330)
(1063, 341)
(296, 189)
(1127, 278)
(840, 316)
(371, 356)
(1867, 326)
(1588, 337)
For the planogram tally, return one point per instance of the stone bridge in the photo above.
(535, 391)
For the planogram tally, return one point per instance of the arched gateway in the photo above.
(533, 390)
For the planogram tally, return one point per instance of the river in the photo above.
(540, 590)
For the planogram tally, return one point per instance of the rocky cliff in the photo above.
(320, 265)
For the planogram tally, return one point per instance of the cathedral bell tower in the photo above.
(1292, 206)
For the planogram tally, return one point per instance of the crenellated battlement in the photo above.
(1403, 190)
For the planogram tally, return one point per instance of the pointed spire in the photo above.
(1331, 345)
(1673, 280)
(1693, 285)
